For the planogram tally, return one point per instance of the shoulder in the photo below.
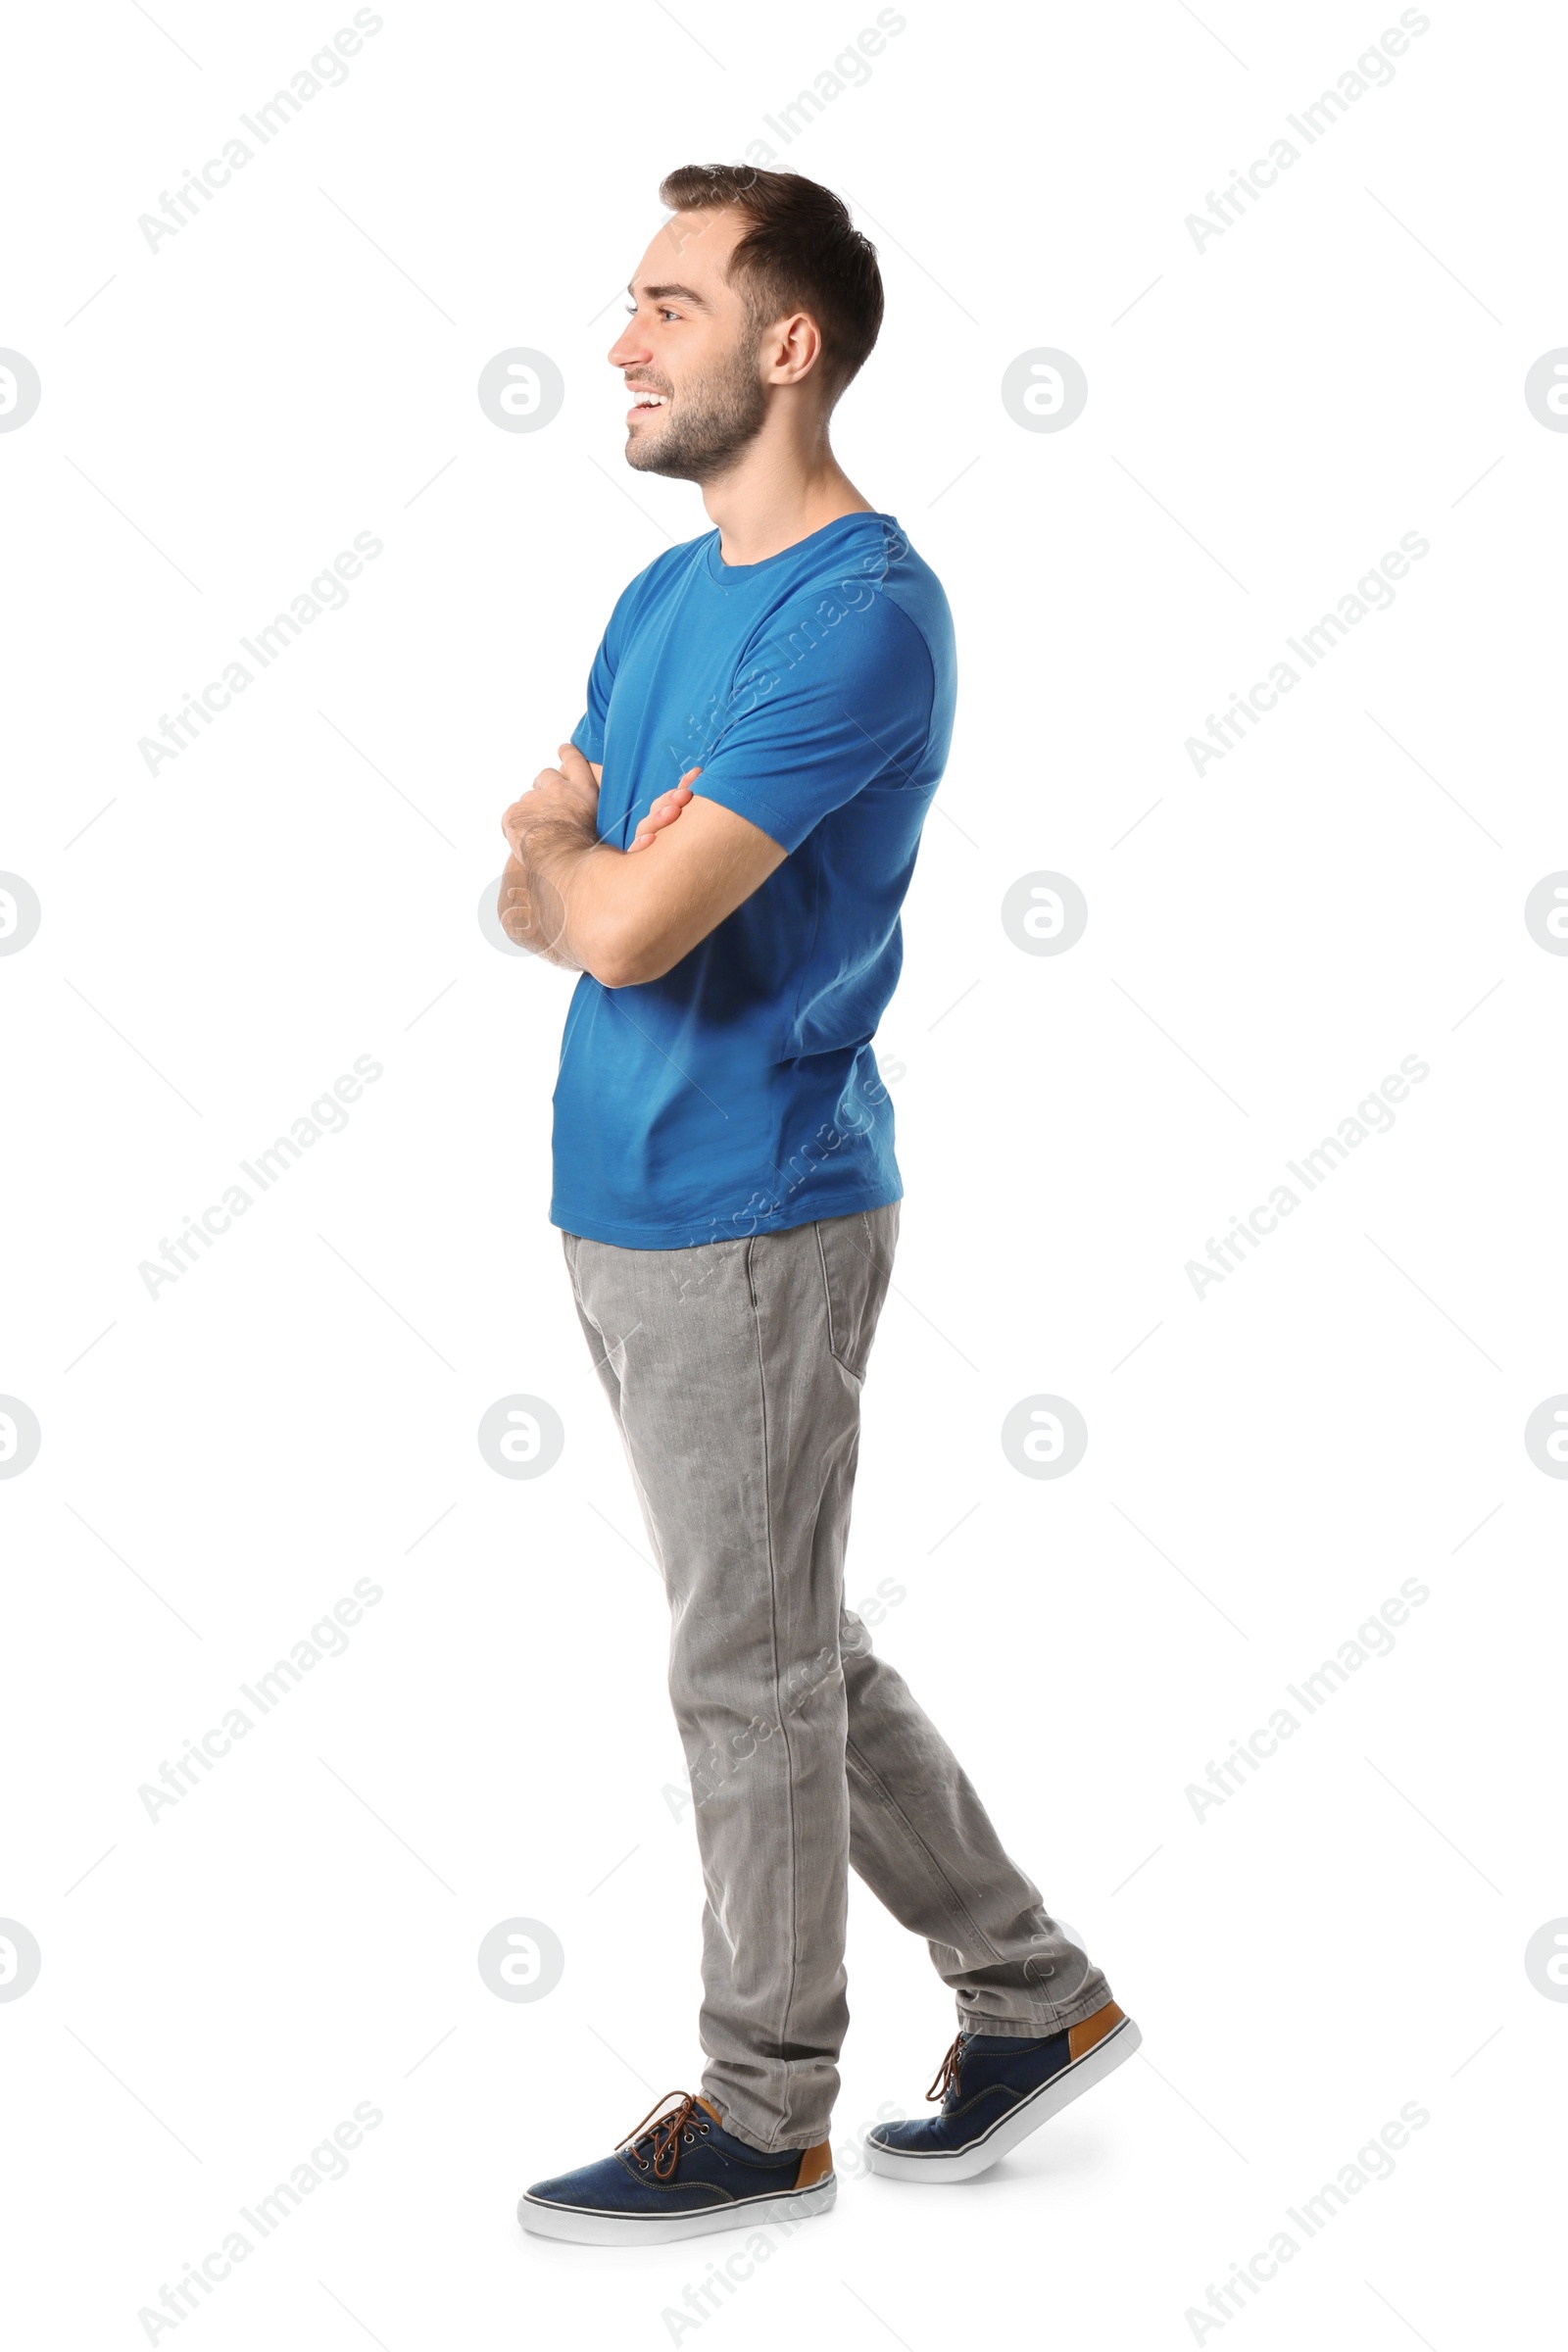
(910, 586)
(870, 604)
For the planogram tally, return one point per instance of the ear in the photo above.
(793, 346)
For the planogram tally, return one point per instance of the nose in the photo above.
(630, 349)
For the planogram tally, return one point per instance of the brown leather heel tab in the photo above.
(711, 2109)
(1084, 2036)
(815, 2165)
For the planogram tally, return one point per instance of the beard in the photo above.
(709, 423)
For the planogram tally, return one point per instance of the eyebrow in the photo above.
(664, 294)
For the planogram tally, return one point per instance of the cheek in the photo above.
(690, 355)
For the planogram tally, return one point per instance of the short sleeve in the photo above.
(589, 732)
(839, 695)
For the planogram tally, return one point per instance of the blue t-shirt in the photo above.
(739, 1094)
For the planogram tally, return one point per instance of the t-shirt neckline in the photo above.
(729, 573)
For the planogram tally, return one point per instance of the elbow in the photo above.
(623, 960)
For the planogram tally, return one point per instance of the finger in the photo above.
(663, 812)
(574, 765)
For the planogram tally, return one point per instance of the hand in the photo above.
(663, 811)
(566, 792)
(514, 908)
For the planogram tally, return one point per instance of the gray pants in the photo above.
(734, 1370)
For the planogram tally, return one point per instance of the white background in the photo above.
(219, 1464)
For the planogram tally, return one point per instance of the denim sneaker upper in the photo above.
(679, 2159)
(982, 2077)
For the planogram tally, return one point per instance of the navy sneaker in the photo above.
(994, 2090)
(679, 2174)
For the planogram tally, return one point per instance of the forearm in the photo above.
(572, 899)
(627, 916)
(532, 907)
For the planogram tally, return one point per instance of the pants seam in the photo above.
(778, 1706)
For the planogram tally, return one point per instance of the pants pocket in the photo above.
(857, 1257)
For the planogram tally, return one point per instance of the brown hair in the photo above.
(802, 253)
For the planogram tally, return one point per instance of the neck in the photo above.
(776, 494)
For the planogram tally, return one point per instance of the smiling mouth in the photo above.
(646, 403)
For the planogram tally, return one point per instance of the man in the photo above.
(722, 854)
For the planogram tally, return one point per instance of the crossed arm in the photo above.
(624, 916)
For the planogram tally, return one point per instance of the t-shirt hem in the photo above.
(776, 823)
(698, 1233)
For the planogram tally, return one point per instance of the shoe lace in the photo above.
(669, 2128)
(948, 2073)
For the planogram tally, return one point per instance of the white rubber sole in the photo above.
(1113, 2050)
(580, 2225)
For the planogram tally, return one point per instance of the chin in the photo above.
(644, 455)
